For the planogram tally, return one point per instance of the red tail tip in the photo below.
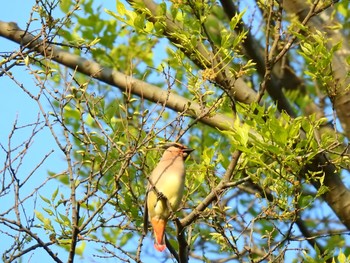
(160, 247)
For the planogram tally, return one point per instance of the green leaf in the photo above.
(139, 22)
(121, 8)
(159, 27)
(342, 258)
(71, 113)
(46, 200)
(48, 225)
(79, 250)
(148, 27)
(125, 238)
(39, 216)
(65, 220)
(54, 195)
(236, 19)
(242, 131)
(65, 5)
(48, 211)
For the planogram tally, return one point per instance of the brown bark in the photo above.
(235, 87)
(338, 91)
(338, 195)
(115, 78)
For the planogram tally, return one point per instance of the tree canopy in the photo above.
(260, 90)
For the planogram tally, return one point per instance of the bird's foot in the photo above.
(160, 196)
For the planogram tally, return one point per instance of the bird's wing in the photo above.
(145, 214)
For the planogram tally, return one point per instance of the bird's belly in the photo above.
(172, 188)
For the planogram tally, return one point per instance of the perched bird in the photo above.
(165, 190)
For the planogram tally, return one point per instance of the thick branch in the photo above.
(115, 78)
(339, 93)
(279, 77)
(202, 57)
(335, 197)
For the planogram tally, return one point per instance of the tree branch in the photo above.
(340, 66)
(115, 78)
(202, 57)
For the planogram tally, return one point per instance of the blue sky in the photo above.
(16, 105)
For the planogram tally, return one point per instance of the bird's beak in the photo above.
(188, 150)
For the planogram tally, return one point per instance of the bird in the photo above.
(165, 190)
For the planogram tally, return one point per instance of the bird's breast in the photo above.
(172, 187)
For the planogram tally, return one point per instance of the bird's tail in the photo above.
(159, 229)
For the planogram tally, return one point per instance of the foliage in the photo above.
(256, 191)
